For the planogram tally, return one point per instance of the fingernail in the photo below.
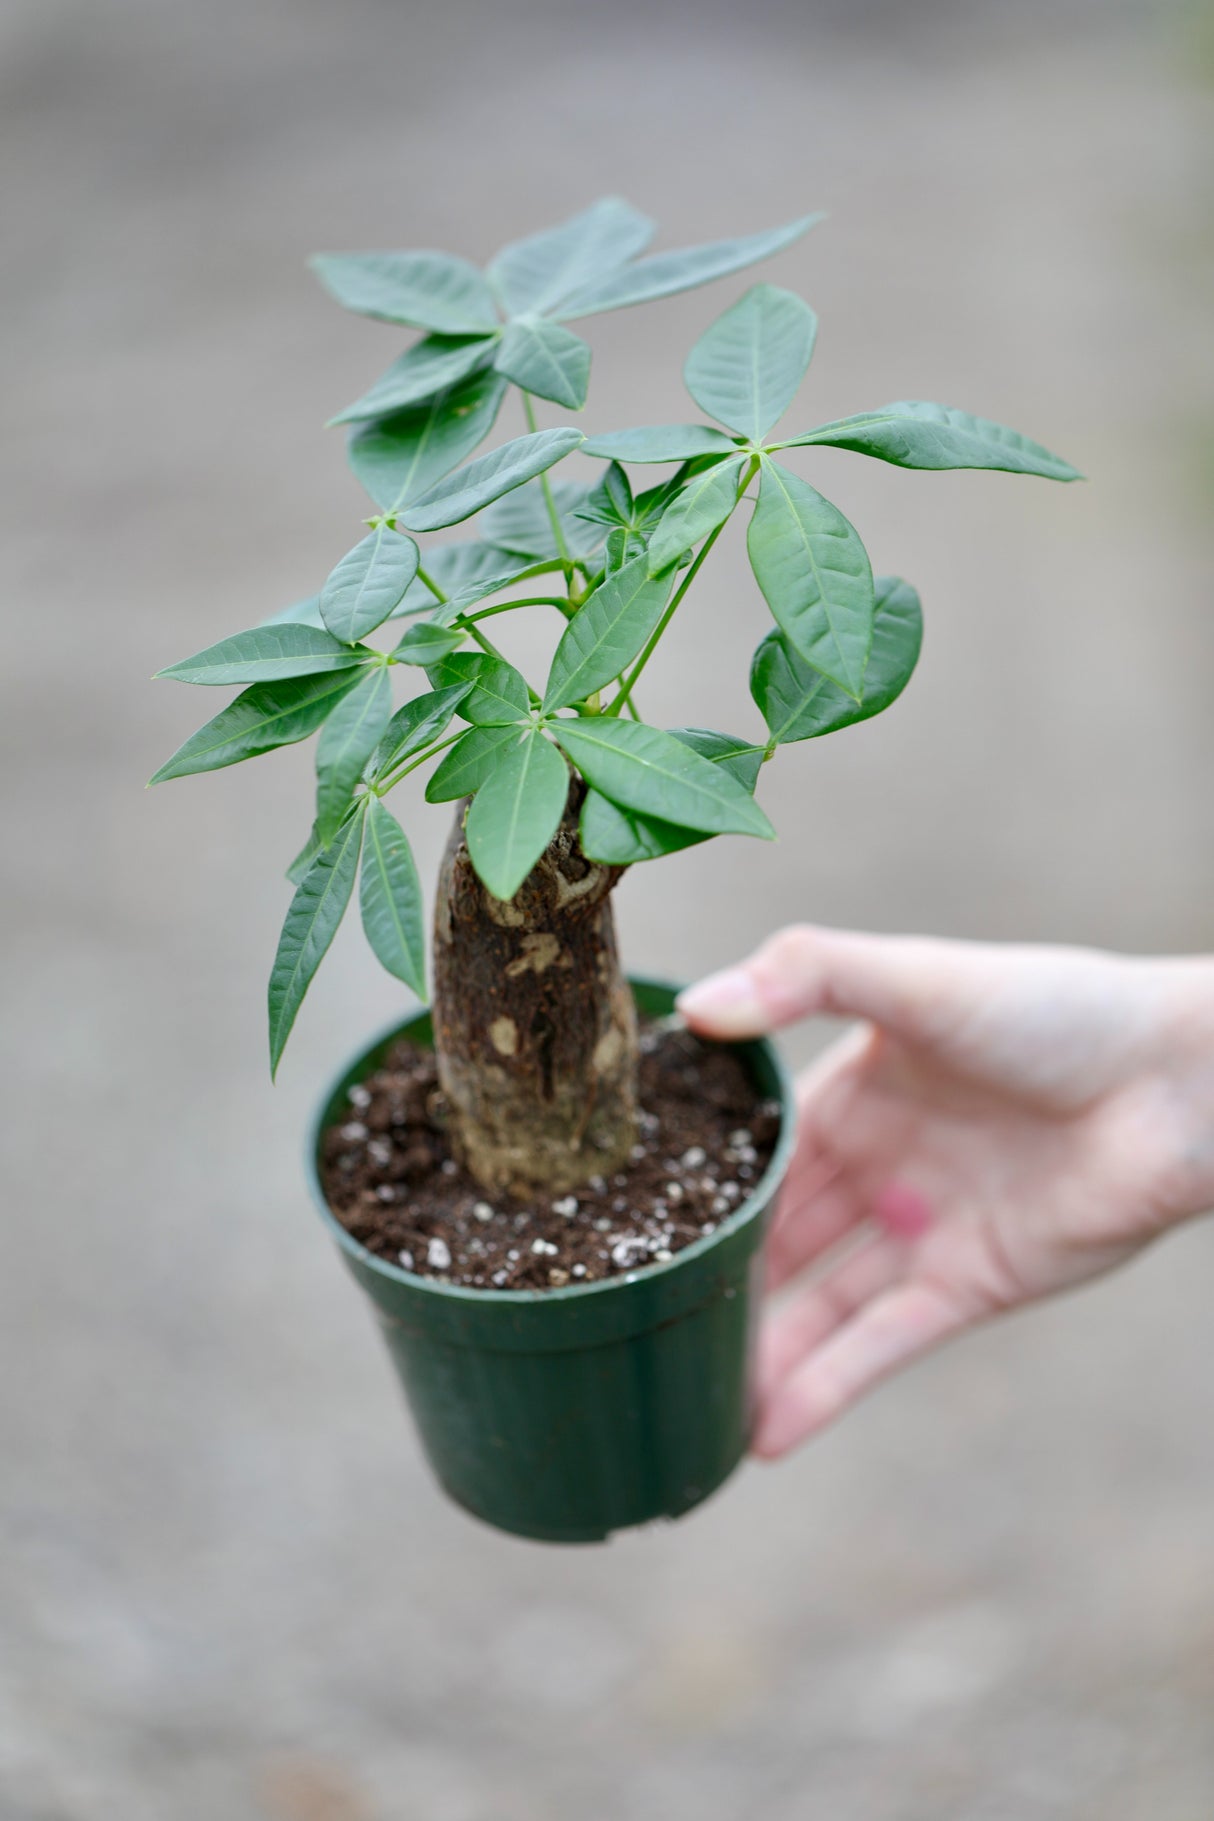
(725, 1003)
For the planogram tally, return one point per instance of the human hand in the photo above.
(1006, 1122)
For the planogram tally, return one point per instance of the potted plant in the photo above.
(553, 1196)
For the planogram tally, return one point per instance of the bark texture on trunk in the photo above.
(534, 1025)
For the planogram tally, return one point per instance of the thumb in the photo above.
(909, 985)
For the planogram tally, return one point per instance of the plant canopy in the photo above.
(609, 559)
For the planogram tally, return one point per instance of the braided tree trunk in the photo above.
(534, 1025)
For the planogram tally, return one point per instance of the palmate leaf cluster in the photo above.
(609, 559)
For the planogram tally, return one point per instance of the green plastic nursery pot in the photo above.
(566, 1414)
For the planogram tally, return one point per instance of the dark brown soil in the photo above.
(389, 1176)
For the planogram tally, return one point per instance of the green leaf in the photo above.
(499, 694)
(414, 726)
(815, 575)
(521, 522)
(299, 613)
(350, 736)
(368, 584)
(620, 548)
(799, 703)
(623, 543)
(316, 910)
(916, 434)
(742, 759)
(398, 457)
(283, 650)
(537, 273)
(516, 812)
(484, 480)
(390, 898)
(621, 837)
(313, 845)
(659, 443)
(304, 857)
(606, 633)
(702, 505)
(427, 290)
(427, 643)
(609, 501)
(664, 273)
(431, 365)
(745, 369)
(263, 717)
(642, 768)
(649, 506)
(543, 358)
(469, 763)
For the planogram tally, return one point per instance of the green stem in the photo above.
(621, 701)
(428, 581)
(460, 619)
(553, 515)
(533, 600)
(486, 645)
(388, 784)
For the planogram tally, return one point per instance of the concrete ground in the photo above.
(228, 1586)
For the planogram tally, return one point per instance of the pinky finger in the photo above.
(888, 1333)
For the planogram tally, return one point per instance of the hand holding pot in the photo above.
(1006, 1122)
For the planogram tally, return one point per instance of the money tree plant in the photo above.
(560, 782)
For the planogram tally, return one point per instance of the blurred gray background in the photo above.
(228, 1587)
